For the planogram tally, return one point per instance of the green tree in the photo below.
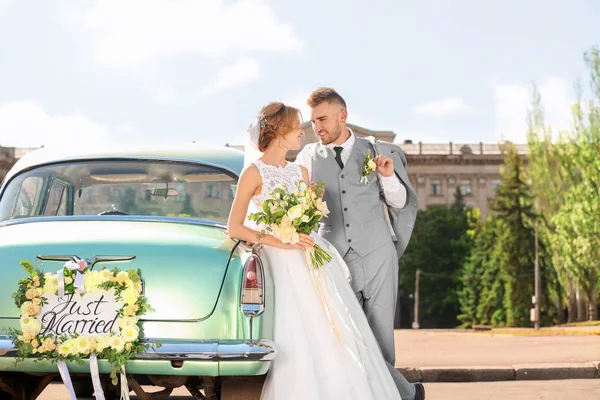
(497, 280)
(440, 243)
(550, 182)
(481, 292)
(566, 184)
(513, 206)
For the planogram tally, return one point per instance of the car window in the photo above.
(25, 198)
(56, 203)
(145, 188)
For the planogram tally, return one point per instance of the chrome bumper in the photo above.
(189, 350)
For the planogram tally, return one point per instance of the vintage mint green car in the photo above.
(163, 211)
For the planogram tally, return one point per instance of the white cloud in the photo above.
(130, 34)
(163, 96)
(5, 5)
(28, 124)
(444, 107)
(243, 71)
(512, 102)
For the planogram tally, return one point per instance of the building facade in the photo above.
(7, 160)
(9, 156)
(436, 170)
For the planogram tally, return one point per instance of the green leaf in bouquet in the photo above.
(279, 213)
(265, 207)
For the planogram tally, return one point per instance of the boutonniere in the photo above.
(368, 167)
(321, 150)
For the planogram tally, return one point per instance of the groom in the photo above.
(359, 225)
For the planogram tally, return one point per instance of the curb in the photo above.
(518, 372)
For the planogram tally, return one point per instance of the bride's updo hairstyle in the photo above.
(276, 119)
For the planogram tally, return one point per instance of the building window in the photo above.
(465, 187)
(436, 187)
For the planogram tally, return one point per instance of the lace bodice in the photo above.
(273, 177)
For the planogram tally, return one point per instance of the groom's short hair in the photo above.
(325, 94)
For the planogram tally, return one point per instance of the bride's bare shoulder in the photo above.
(251, 172)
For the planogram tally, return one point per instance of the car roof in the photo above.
(223, 156)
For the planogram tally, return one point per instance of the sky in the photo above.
(182, 71)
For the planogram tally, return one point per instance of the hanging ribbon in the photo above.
(66, 378)
(78, 266)
(98, 392)
(124, 385)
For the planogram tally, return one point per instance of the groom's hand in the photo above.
(385, 165)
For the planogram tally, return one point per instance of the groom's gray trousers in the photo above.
(375, 283)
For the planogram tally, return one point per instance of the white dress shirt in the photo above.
(393, 190)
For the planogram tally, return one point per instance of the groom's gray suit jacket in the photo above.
(357, 217)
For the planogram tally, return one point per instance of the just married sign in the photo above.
(77, 313)
(91, 315)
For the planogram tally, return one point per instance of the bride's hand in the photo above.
(306, 242)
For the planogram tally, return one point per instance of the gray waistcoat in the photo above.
(356, 219)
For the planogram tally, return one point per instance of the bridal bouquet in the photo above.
(287, 213)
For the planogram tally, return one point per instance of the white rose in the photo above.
(286, 233)
(305, 218)
(371, 164)
(295, 212)
(285, 221)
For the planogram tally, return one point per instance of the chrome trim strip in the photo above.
(90, 261)
(191, 350)
(133, 218)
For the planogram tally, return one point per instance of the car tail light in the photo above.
(252, 291)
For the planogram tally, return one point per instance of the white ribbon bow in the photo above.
(78, 266)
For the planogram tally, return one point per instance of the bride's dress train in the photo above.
(327, 350)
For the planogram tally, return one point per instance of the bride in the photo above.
(327, 350)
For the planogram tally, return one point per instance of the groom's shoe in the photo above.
(419, 391)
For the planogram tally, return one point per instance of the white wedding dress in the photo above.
(327, 350)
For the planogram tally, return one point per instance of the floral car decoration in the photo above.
(76, 313)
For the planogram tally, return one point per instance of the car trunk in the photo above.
(182, 265)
